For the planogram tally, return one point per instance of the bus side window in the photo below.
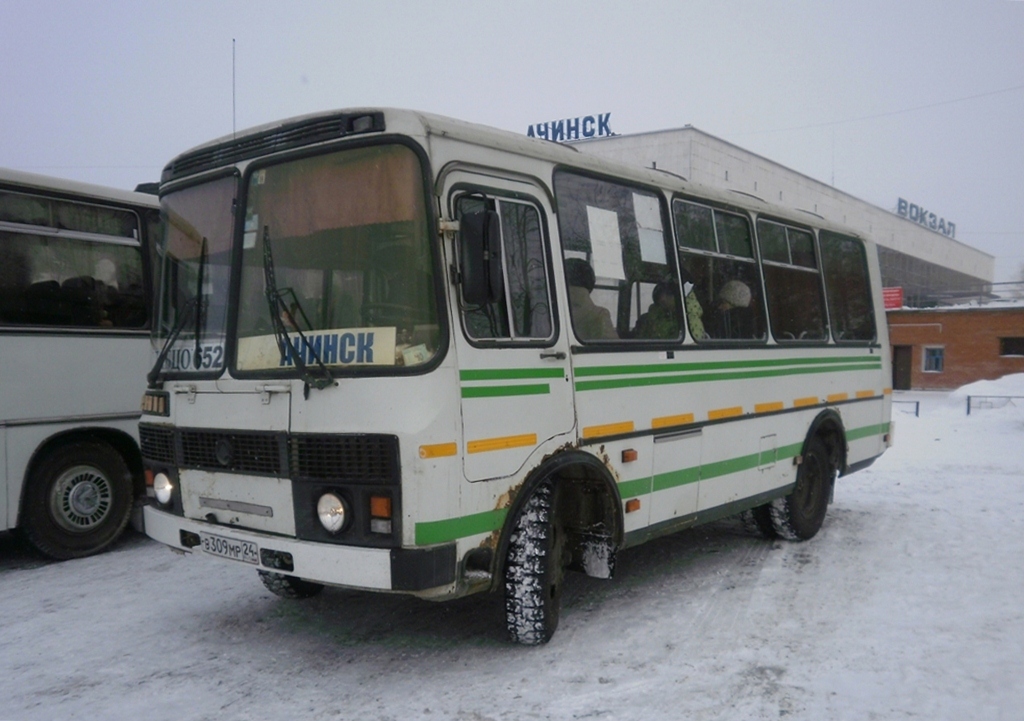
(619, 263)
(716, 250)
(524, 311)
(71, 282)
(796, 307)
(848, 288)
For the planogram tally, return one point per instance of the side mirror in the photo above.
(480, 257)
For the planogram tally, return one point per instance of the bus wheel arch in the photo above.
(565, 517)
(78, 492)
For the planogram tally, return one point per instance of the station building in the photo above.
(929, 265)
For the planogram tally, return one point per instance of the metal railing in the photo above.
(916, 404)
(989, 401)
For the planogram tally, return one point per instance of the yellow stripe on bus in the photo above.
(865, 394)
(768, 407)
(502, 443)
(808, 401)
(720, 413)
(836, 397)
(887, 391)
(666, 421)
(608, 429)
(439, 450)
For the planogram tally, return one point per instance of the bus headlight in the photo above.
(162, 488)
(332, 512)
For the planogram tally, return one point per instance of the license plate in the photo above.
(244, 551)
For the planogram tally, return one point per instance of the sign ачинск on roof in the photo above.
(586, 126)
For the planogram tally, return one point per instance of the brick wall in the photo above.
(969, 339)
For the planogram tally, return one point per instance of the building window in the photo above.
(933, 360)
(1011, 346)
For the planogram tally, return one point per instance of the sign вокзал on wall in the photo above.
(918, 214)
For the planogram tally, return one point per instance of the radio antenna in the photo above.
(233, 125)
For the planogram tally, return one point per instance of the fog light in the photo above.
(331, 511)
(162, 488)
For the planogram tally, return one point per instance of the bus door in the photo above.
(514, 378)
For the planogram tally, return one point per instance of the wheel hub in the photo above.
(81, 498)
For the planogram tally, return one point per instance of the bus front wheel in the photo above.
(78, 500)
(534, 569)
(289, 586)
(798, 516)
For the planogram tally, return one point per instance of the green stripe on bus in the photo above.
(866, 432)
(663, 481)
(451, 529)
(535, 389)
(504, 374)
(658, 380)
(719, 365)
(639, 487)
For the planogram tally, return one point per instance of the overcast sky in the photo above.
(885, 99)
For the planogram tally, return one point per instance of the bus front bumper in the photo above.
(423, 571)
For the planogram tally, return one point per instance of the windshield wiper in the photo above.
(277, 306)
(186, 312)
(197, 357)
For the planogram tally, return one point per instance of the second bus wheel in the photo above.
(289, 586)
(534, 569)
(798, 516)
(77, 501)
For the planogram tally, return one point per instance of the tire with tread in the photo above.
(534, 569)
(289, 586)
(77, 500)
(798, 516)
(759, 520)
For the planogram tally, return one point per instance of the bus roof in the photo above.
(74, 188)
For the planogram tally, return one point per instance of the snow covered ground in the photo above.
(908, 604)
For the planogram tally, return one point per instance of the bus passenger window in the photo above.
(848, 287)
(619, 262)
(716, 252)
(796, 307)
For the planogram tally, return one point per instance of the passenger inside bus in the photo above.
(733, 320)
(591, 321)
(662, 318)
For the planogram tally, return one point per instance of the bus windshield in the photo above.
(195, 270)
(336, 264)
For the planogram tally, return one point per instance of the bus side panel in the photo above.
(78, 379)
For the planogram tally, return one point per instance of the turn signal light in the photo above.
(633, 504)
(629, 455)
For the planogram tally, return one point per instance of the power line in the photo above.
(833, 123)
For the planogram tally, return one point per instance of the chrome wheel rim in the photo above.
(81, 498)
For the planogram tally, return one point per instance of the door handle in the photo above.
(556, 355)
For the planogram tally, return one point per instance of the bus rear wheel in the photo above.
(78, 500)
(798, 516)
(534, 569)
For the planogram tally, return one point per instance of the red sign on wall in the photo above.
(893, 298)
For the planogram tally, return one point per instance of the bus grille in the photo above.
(157, 443)
(351, 458)
(258, 453)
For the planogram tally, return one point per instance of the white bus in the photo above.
(74, 350)
(437, 358)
